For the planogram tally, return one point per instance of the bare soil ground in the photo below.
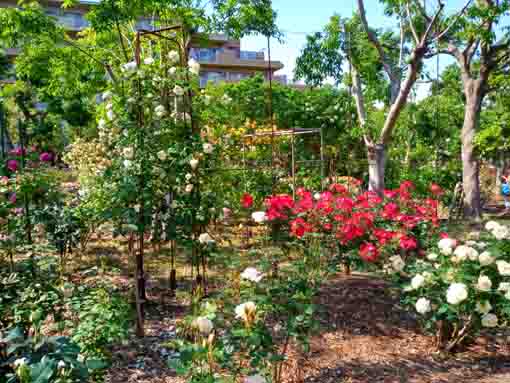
(366, 337)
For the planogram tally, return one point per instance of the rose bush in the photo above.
(359, 225)
(461, 287)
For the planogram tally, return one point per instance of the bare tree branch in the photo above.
(411, 25)
(454, 21)
(431, 25)
(376, 43)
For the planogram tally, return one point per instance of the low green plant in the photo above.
(104, 317)
(26, 359)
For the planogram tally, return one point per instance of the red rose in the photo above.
(368, 252)
(436, 190)
(246, 201)
(408, 243)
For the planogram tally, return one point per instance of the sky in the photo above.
(297, 18)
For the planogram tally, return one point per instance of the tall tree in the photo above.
(416, 40)
(481, 47)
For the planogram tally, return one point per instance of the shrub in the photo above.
(461, 287)
(104, 318)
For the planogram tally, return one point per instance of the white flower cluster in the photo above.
(499, 231)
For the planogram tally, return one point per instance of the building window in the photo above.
(248, 55)
(236, 76)
(214, 77)
(205, 54)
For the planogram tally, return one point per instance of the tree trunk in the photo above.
(470, 163)
(376, 167)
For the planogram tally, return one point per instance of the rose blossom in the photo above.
(246, 200)
(423, 306)
(417, 281)
(457, 292)
(503, 268)
(12, 165)
(251, 274)
(204, 325)
(486, 259)
(484, 283)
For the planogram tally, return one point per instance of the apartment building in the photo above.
(221, 58)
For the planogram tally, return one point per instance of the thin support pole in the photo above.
(28, 226)
(323, 175)
(2, 130)
(293, 159)
(270, 111)
(140, 275)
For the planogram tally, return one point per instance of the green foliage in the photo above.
(104, 318)
(29, 294)
(40, 359)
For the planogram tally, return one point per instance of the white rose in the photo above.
(245, 310)
(491, 225)
(252, 274)
(129, 67)
(446, 246)
(486, 259)
(204, 325)
(484, 283)
(188, 188)
(160, 110)
(178, 90)
(255, 379)
(489, 320)
(193, 163)
(205, 239)
(432, 256)
(423, 306)
(162, 155)
(501, 232)
(417, 282)
(173, 56)
(504, 286)
(259, 216)
(208, 148)
(172, 71)
(483, 307)
(148, 61)
(464, 252)
(457, 292)
(128, 152)
(503, 268)
(188, 177)
(194, 67)
(397, 263)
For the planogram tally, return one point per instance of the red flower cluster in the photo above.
(366, 221)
